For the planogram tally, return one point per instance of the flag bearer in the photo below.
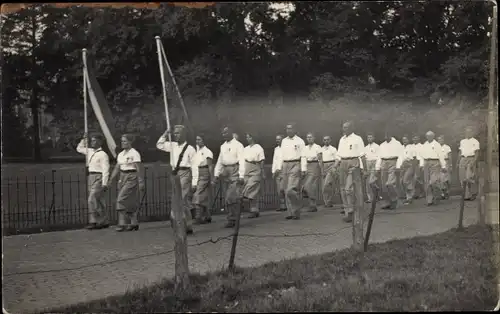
(182, 160)
(98, 174)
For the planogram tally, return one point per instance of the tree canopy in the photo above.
(323, 50)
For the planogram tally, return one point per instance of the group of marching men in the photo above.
(372, 171)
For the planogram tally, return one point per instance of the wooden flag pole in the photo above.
(162, 74)
(164, 55)
(85, 113)
(179, 223)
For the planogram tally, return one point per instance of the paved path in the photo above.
(37, 290)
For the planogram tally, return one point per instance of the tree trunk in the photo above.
(37, 156)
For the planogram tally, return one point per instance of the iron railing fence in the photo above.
(57, 199)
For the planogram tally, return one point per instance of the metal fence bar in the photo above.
(35, 190)
(44, 194)
(18, 212)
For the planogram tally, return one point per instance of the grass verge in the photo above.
(448, 271)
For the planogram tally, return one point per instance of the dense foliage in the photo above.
(430, 50)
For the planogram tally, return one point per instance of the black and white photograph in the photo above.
(244, 157)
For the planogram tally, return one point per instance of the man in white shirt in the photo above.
(445, 176)
(187, 171)
(433, 163)
(419, 189)
(350, 150)
(252, 173)
(201, 198)
(98, 176)
(277, 174)
(314, 158)
(330, 184)
(228, 168)
(292, 164)
(389, 152)
(405, 165)
(467, 164)
(370, 156)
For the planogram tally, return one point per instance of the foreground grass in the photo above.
(448, 271)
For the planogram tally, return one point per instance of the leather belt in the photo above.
(128, 171)
(293, 160)
(95, 172)
(253, 162)
(202, 167)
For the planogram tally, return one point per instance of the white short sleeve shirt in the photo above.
(127, 158)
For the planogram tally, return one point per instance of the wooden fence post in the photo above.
(179, 227)
(370, 218)
(357, 221)
(235, 235)
(462, 206)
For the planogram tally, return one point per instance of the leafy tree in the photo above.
(432, 52)
(20, 33)
(15, 144)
